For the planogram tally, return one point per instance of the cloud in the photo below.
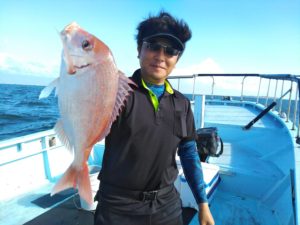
(206, 66)
(3, 60)
(25, 66)
(203, 85)
(223, 85)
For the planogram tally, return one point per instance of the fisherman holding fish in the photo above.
(143, 119)
(139, 168)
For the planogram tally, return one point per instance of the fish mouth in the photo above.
(73, 69)
(82, 66)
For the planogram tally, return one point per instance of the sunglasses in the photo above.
(156, 47)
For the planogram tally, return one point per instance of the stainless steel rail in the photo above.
(270, 78)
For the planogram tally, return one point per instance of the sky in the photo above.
(228, 36)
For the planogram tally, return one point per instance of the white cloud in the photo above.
(3, 58)
(206, 66)
(221, 85)
(203, 85)
(26, 66)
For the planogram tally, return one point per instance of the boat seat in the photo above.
(211, 178)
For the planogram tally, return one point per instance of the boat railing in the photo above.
(44, 145)
(286, 87)
(16, 149)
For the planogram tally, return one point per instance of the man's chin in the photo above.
(158, 73)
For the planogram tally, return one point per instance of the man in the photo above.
(139, 168)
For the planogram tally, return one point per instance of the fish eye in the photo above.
(86, 45)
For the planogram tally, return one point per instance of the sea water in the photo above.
(22, 112)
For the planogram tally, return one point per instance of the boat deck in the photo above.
(253, 165)
(253, 199)
(10, 207)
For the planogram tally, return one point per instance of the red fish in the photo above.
(91, 92)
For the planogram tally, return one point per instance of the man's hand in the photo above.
(205, 216)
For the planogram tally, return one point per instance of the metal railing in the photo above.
(37, 144)
(46, 141)
(270, 78)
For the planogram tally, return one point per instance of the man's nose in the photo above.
(161, 52)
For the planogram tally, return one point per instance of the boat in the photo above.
(255, 181)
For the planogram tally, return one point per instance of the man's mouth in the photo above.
(158, 66)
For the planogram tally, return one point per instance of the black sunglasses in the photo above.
(155, 47)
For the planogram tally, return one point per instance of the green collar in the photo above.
(153, 97)
(169, 88)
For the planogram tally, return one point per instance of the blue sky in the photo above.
(229, 36)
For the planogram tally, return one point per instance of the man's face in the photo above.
(157, 60)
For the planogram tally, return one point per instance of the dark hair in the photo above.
(163, 23)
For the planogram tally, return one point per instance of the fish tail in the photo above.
(68, 180)
(84, 185)
(71, 178)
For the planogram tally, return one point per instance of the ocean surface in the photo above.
(22, 113)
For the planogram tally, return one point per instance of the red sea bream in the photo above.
(91, 92)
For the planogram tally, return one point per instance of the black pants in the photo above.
(165, 217)
(167, 211)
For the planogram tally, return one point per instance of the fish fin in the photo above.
(124, 90)
(60, 132)
(68, 180)
(76, 178)
(47, 90)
